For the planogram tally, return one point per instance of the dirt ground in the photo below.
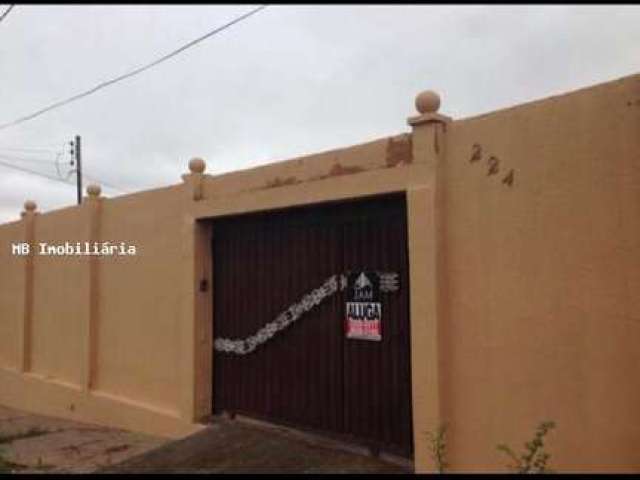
(34, 443)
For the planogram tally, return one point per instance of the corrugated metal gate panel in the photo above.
(310, 374)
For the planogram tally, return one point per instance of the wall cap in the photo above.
(428, 118)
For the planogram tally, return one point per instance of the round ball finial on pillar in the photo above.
(30, 206)
(197, 165)
(94, 190)
(427, 102)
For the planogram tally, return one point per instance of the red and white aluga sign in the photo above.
(363, 307)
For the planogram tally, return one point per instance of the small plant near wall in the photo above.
(534, 459)
(438, 446)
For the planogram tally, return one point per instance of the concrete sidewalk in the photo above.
(34, 443)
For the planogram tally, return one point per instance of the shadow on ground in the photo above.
(236, 447)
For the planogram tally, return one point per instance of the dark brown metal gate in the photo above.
(310, 375)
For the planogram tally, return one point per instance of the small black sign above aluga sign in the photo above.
(364, 309)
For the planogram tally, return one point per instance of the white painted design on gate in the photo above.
(388, 283)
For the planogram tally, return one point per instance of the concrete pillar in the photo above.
(194, 179)
(29, 218)
(195, 339)
(426, 223)
(92, 206)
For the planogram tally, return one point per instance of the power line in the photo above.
(57, 179)
(16, 149)
(29, 160)
(26, 170)
(133, 72)
(6, 12)
(55, 163)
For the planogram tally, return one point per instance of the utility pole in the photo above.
(78, 153)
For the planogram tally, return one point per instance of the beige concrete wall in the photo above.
(102, 339)
(11, 295)
(542, 281)
(59, 287)
(33, 393)
(139, 305)
(383, 153)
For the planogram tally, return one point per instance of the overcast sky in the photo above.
(287, 81)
